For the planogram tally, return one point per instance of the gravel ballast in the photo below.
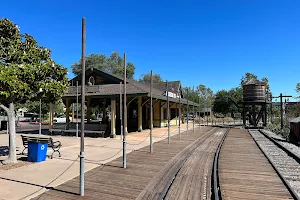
(291, 147)
(286, 165)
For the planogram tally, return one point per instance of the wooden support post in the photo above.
(160, 113)
(67, 114)
(73, 112)
(140, 114)
(113, 117)
(183, 113)
(89, 109)
(51, 115)
(104, 112)
(244, 115)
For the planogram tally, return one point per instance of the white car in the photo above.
(61, 119)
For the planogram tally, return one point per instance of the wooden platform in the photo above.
(244, 171)
(113, 182)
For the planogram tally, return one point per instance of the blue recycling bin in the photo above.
(37, 151)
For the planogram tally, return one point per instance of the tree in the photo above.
(298, 87)
(294, 111)
(248, 76)
(27, 72)
(222, 104)
(206, 96)
(113, 64)
(59, 108)
(34, 107)
(146, 78)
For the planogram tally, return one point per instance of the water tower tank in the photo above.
(254, 91)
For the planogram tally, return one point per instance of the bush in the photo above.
(276, 128)
(93, 117)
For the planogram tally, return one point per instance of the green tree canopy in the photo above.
(146, 78)
(247, 77)
(34, 107)
(27, 72)
(298, 87)
(206, 96)
(228, 101)
(200, 94)
(112, 64)
(222, 104)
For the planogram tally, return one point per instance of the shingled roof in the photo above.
(133, 87)
(254, 82)
(173, 86)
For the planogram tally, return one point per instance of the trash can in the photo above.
(37, 151)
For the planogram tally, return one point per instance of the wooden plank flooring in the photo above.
(245, 173)
(162, 183)
(113, 182)
(194, 179)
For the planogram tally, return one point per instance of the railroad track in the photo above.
(216, 193)
(244, 171)
(188, 174)
(285, 162)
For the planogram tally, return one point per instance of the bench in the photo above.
(88, 133)
(54, 145)
(91, 130)
(53, 131)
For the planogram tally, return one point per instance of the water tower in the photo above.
(254, 103)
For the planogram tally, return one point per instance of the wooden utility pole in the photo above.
(179, 115)
(151, 113)
(271, 107)
(281, 107)
(82, 108)
(125, 116)
(193, 111)
(168, 113)
(187, 113)
(121, 112)
(77, 109)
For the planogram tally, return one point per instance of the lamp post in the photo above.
(40, 121)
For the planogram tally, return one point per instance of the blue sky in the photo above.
(198, 42)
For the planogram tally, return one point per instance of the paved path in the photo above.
(20, 183)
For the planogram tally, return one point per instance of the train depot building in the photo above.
(103, 89)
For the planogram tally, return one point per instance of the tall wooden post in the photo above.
(125, 115)
(168, 114)
(151, 113)
(281, 111)
(51, 114)
(187, 113)
(193, 113)
(67, 114)
(140, 114)
(179, 116)
(121, 111)
(113, 117)
(82, 109)
(73, 113)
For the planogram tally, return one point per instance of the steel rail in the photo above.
(216, 192)
(291, 154)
